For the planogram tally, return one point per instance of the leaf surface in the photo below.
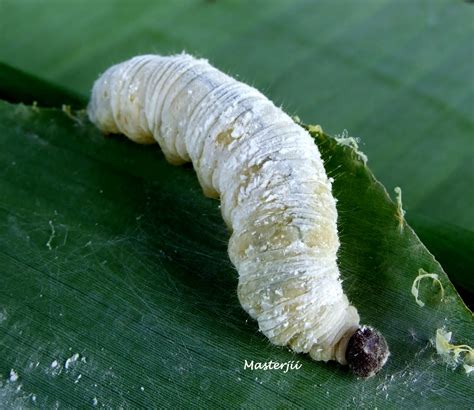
(116, 288)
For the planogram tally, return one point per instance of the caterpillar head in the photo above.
(367, 352)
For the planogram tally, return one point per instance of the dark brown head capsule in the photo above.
(367, 352)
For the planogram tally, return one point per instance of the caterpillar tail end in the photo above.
(367, 352)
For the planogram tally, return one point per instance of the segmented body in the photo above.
(267, 171)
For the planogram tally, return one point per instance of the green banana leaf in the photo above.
(117, 290)
(115, 286)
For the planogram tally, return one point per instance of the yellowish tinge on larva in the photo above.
(275, 195)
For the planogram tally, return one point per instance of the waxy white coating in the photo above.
(268, 173)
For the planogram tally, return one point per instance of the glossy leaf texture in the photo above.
(115, 286)
(117, 289)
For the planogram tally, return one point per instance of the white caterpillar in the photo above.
(267, 171)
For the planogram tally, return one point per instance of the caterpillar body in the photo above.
(275, 196)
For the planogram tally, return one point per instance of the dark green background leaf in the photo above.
(452, 246)
(17, 86)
